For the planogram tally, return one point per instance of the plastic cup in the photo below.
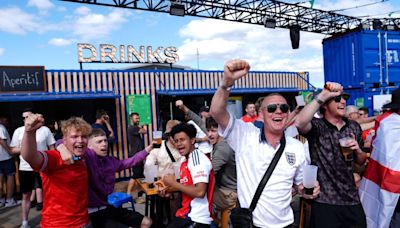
(345, 149)
(300, 101)
(150, 172)
(157, 139)
(309, 178)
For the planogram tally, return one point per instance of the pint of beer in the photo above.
(346, 151)
(157, 139)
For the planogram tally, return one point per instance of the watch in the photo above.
(227, 88)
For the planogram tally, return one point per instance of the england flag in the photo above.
(380, 186)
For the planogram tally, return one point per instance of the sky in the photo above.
(44, 32)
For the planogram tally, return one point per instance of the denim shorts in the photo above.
(7, 167)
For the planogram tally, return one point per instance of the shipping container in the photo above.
(366, 97)
(363, 58)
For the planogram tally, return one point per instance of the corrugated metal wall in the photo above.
(124, 83)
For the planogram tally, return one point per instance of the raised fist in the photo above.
(33, 122)
(235, 69)
(179, 103)
(333, 87)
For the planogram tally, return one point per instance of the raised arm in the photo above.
(136, 159)
(233, 70)
(292, 115)
(366, 120)
(28, 145)
(303, 119)
(196, 118)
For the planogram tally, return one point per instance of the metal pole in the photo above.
(386, 59)
(380, 59)
(171, 111)
(198, 59)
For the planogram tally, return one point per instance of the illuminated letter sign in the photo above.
(87, 53)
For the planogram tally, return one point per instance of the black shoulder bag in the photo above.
(169, 152)
(243, 217)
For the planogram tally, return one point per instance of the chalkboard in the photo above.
(141, 105)
(22, 79)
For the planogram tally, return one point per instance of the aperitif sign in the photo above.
(15, 79)
(87, 53)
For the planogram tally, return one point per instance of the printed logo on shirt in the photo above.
(200, 174)
(290, 158)
(184, 180)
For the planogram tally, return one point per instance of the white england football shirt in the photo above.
(252, 160)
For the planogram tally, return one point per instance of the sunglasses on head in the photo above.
(273, 107)
(337, 99)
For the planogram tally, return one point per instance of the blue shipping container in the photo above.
(363, 58)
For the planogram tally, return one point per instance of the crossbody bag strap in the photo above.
(168, 151)
(267, 174)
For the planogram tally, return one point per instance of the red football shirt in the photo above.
(197, 169)
(248, 119)
(65, 190)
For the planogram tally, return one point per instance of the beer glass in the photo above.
(157, 139)
(346, 151)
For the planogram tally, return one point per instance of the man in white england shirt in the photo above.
(254, 150)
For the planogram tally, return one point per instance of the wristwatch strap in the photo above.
(319, 101)
(227, 88)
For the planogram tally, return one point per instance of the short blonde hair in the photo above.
(76, 123)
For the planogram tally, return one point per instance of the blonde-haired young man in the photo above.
(64, 186)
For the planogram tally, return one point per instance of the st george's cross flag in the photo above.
(380, 186)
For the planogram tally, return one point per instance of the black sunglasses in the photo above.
(272, 108)
(337, 99)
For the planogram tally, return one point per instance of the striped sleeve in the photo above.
(200, 167)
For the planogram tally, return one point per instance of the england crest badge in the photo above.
(290, 158)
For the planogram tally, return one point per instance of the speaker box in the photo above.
(295, 36)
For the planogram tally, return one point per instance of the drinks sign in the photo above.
(87, 53)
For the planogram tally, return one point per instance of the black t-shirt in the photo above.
(135, 140)
(335, 175)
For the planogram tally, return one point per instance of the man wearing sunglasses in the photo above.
(254, 150)
(338, 204)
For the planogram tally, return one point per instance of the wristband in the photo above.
(319, 101)
(227, 88)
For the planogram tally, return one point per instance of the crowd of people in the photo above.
(221, 161)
